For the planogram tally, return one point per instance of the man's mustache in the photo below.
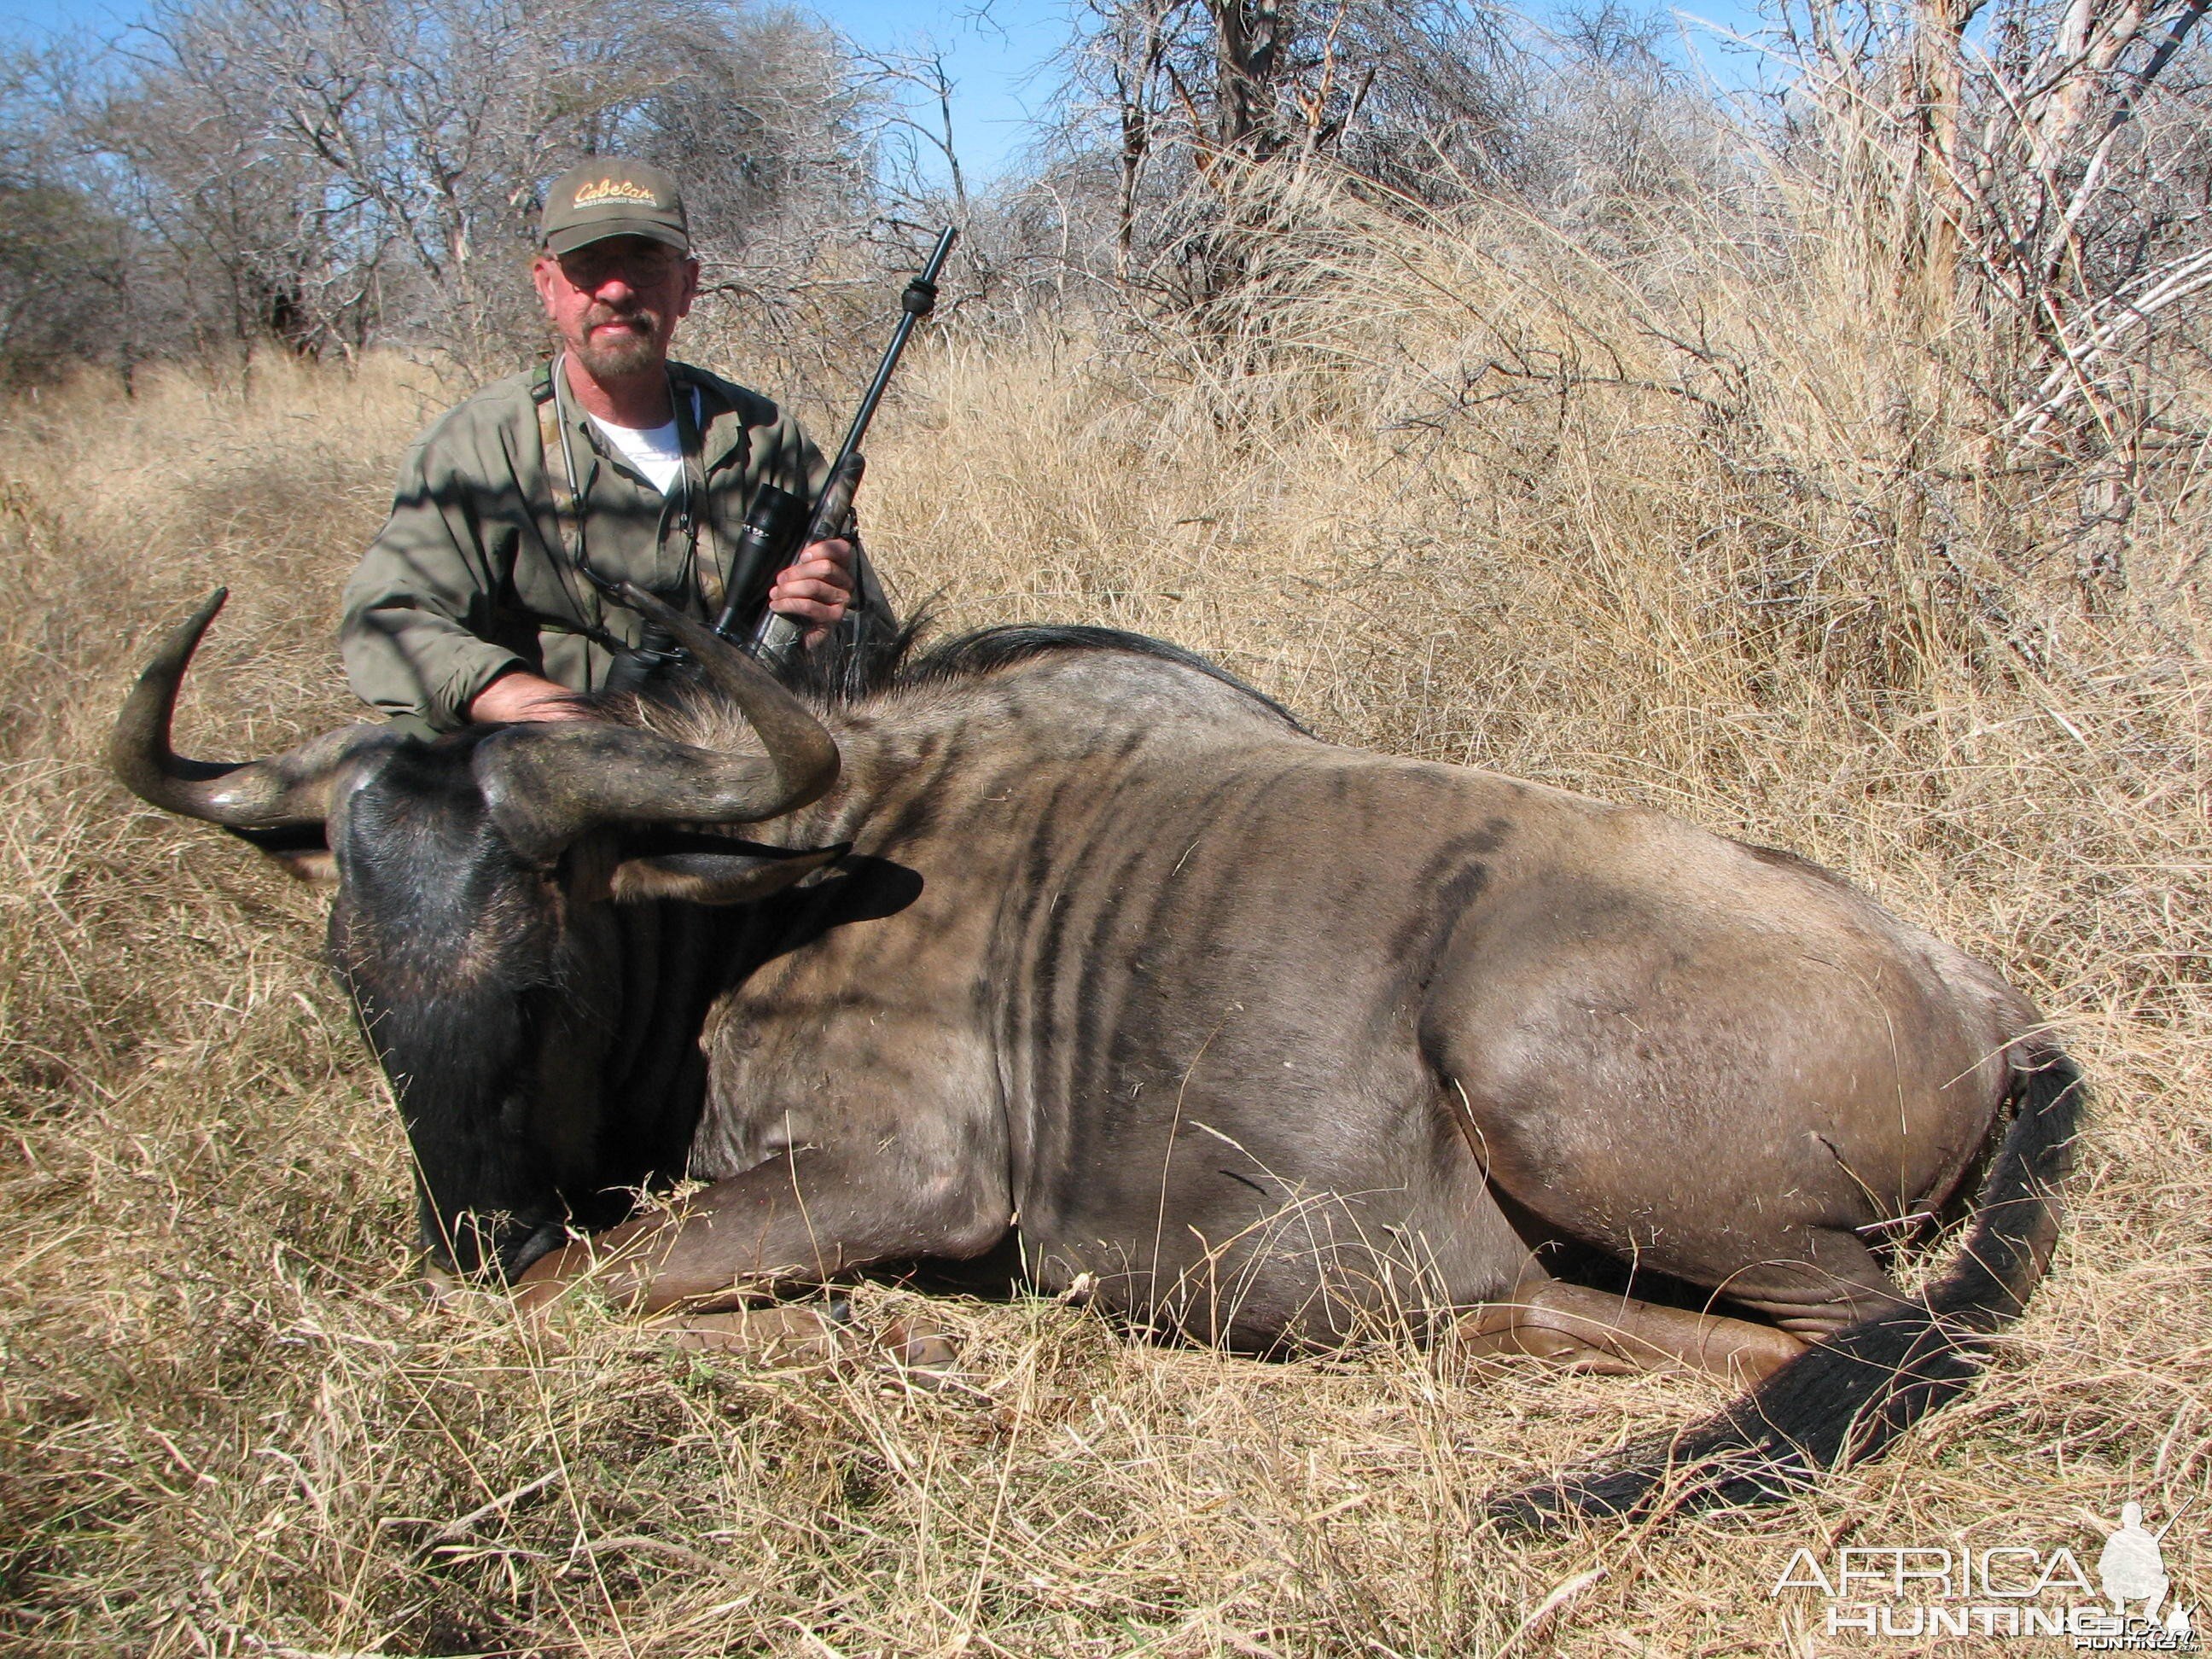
(645, 320)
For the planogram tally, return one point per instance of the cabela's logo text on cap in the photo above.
(616, 190)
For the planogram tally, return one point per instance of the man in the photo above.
(483, 599)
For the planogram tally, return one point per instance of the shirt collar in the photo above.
(722, 428)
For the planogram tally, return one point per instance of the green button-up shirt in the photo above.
(469, 578)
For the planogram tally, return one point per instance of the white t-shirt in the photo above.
(653, 450)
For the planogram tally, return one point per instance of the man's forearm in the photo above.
(405, 659)
(818, 589)
(519, 694)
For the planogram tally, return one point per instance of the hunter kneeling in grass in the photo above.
(491, 594)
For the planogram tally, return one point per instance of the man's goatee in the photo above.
(631, 353)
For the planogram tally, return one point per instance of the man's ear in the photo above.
(542, 270)
(715, 871)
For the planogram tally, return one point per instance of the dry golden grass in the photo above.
(231, 1427)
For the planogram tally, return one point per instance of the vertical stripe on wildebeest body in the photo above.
(1224, 1144)
(1270, 1043)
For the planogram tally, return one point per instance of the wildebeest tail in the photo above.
(1846, 1398)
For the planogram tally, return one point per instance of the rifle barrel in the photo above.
(918, 300)
(775, 633)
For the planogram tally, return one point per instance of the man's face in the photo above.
(614, 303)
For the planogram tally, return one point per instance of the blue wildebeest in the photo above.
(1062, 938)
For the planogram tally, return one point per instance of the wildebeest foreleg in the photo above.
(797, 1219)
(1574, 1325)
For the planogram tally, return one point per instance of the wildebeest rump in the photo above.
(1062, 938)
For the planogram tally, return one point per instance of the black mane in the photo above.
(840, 671)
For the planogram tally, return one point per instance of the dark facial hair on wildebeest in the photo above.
(1267, 1042)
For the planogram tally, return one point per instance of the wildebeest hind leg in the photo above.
(1596, 1330)
(797, 1219)
(1828, 1283)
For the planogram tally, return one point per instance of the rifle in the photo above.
(774, 635)
(780, 526)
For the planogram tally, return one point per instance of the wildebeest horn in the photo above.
(284, 791)
(794, 740)
(548, 784)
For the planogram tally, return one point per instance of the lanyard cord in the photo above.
(569, 505)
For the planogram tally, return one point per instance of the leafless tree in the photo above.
(2037, 174)
(315, 172)
(64, 293)
(1172, 106)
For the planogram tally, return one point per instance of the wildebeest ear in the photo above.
(302, 849)
(711, 870)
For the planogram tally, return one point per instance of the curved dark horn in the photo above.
(549, 783)
(803, 754)
(282, 792)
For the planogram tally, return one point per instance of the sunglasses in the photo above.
(636, 264)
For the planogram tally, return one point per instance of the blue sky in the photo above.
(999, 55)
(22, 18)
(998, 52)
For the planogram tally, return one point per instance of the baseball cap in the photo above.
(608, 196)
